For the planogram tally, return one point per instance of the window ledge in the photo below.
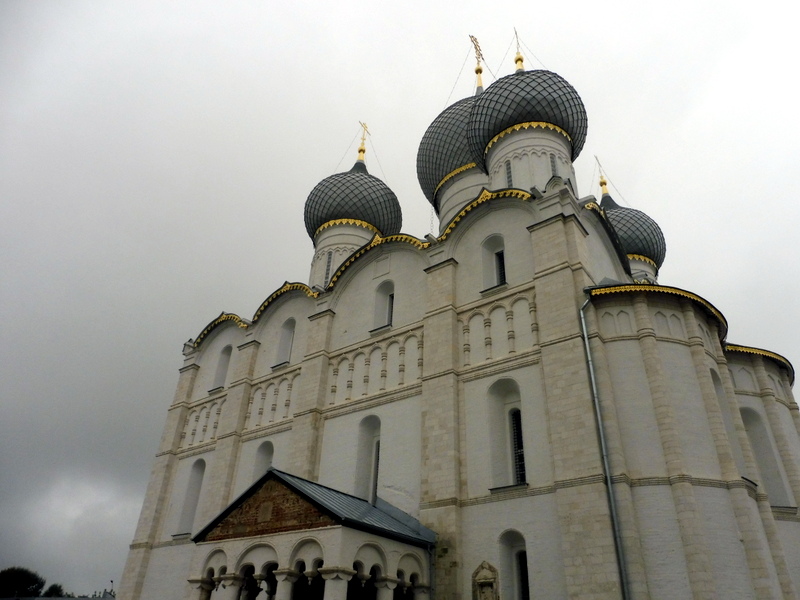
(280, 365)
(494, 289)
(380, 330)
(181, 536)
(508, 488)
(216, 390)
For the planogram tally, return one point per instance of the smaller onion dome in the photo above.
(639, 234)
(444, 149)
(357, 195)
(539, 96)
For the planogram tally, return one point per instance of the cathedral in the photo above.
(514, 408)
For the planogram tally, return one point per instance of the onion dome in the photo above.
(639, 234)
(526, 98)
(356, 195)
(444, 150)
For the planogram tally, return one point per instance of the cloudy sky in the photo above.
(155, 158)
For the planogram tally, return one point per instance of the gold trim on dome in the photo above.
(216, 322)
(286, 287)
(356, 222)
(644, 259)
(484, 196)
(622, 289)
(528, 125)
(453, 173)
(765, 353)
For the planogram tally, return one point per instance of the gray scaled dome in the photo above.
(444, 147)
(354, 194)
(638, 233)
(526, 97)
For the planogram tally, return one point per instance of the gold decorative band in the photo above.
(484, 196)
(617, 289)
(453, 173)
(765, 353)
(286, 287)
(528, 125)
(220, 319)
(356, 222)
(642, 258)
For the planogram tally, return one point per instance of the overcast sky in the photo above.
(155, 159)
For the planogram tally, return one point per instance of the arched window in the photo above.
(263, 461)
(494, 262)
(222, 367)
(768, 466)
(192, 497)
(507, 453)
(384, 304)
(284, 354)
(514, 579)
(368, 465)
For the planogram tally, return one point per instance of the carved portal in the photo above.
(485, 585)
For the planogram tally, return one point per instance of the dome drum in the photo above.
(528, 157)
(334, 243)
(457, 192)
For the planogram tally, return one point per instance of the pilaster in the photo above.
(771, 407)
(441, 422)
(689, 520)
(307, 429)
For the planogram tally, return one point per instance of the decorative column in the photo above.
(386, 587)
(336, 579)
(231, 586)
(204, 588)
(286, 578)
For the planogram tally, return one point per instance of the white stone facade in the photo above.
(460, 380)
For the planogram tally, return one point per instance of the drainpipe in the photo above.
(623, 574)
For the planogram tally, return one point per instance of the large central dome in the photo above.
(357, 195)
(526, 97)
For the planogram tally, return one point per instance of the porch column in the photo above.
(285, 577)
(386, 587)
(204, 588)
(231, 586)
(336, 579)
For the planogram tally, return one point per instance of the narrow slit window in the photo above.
(517, 451)
(389, 309)
(553, 169)
(509, 177)
(376, 465)
(500, 266)
(328, 267)
(522, 575)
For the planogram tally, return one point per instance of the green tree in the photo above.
(18, 581)
(56, 590)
